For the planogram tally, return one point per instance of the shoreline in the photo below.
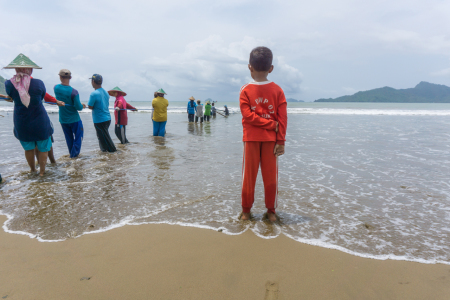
(176, 262)
(224, 231)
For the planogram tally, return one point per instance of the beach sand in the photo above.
(174, 262)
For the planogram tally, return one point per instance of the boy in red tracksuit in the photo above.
(264, 120)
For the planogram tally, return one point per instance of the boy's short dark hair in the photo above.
(261, 59)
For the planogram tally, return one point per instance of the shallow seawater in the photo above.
(372, 184)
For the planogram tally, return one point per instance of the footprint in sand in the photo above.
(271, 290)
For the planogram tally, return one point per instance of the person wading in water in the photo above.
(120, 113)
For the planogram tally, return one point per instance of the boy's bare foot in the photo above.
(41, 174)
(272, 217)
(245, 216)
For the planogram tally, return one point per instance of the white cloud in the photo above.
(213, 64)
(36, 47)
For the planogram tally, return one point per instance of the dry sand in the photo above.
(173, 262)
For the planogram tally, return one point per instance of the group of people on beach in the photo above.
(262, 103)
(196, 114)
(34, 130)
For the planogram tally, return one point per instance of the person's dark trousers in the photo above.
(214, 115)
(120, 131)
(104, 139)
(73, 133)
(196, 119)
(191, 117)
(206, 118)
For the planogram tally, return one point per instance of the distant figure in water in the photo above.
(32, 125)
(227, 113)
(264, 125)
(68, 115)
(120, 113)
(160, 105)
(199, 112)
(213, 110)
(99, 104)
(207, 114)
(191, 109)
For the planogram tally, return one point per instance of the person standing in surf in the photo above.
(227, 112)
(207, 111)
(191, 109)
(99, 104)
(264, 121)
(213, 110)
(68, 115)
(31, 122)
(199, 112)
(159, 118)
(120, 113)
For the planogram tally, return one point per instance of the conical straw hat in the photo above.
(192, 98)
(161, 91)
(22, 61)
(117, 89)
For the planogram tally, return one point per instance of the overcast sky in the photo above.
(322, 48)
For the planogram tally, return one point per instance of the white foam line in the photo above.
(313, 242)
(30, 235)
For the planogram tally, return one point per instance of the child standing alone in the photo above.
(264, 121)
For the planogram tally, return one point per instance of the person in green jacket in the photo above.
(207, 113)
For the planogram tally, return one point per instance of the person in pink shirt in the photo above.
(120, 113)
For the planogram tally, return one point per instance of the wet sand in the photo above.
(174, 262)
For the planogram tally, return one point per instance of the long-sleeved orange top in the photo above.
(262, 105)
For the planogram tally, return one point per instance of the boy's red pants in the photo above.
(256, 153)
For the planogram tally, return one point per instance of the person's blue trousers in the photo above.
(74, 137)
(159, 128)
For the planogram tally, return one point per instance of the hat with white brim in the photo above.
(161, 91)
(117, 89)
(22, 61)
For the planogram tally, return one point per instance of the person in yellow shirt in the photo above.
(160, 105)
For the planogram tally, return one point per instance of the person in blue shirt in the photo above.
(99, 103)
(68, 114)
(191, 109)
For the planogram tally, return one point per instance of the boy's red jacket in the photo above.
(262, 105)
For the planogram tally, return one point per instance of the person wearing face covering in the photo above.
(31, 123)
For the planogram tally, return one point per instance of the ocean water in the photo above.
(370, 179)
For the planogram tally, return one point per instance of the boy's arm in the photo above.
(251, 117)
(282, 120)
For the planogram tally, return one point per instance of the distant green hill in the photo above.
(293, 100)
(424, 92)
(2, 86)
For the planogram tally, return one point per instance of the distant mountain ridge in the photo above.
(424, 92)
(293, 100)
(2, 85)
